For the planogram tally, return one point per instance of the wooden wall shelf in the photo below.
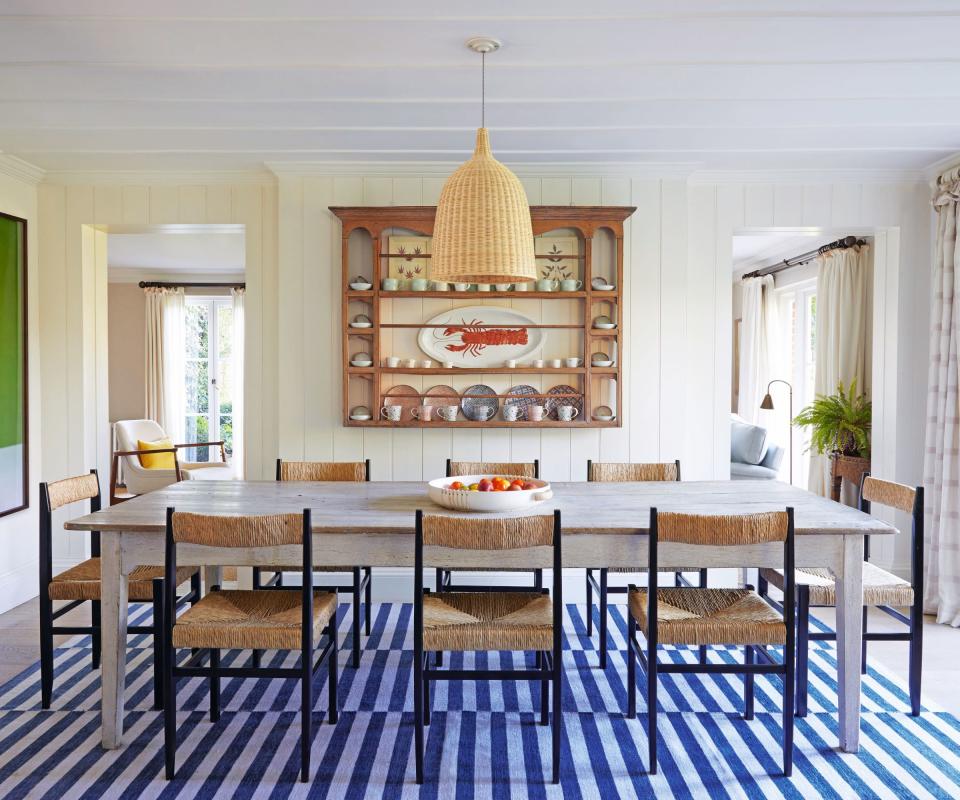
(380, 222)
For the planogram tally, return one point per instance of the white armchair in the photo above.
(140, 480)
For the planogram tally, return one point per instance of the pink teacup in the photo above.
(535, 413)
(422, 413)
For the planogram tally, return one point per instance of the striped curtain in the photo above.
(941, 471)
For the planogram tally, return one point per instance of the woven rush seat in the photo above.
(710, 616)
(248, 620)
(82, 582)
(880, 588)
(487, 621)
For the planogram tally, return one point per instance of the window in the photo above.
(209, 374)
(798, 315)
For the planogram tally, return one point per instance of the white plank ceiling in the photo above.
(231, 84)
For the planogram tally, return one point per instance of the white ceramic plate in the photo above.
(361, 363)
(465, 345)
(602, 363)
(361, 287)
(489, 502)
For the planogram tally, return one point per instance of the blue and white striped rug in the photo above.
(483, 740)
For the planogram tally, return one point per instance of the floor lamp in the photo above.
(767, 405)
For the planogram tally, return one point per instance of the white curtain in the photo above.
(238, 354)
(941, 472)
(759, 345)
(844, 281)
(154, 355)
(166, 377)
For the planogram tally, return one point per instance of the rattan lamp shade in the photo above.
(482, 232)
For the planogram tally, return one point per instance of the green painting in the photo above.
(14, 495)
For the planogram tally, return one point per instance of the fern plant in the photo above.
(839, 423)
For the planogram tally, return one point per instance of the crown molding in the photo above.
(159, 177)
(801, 176)
(136, 274)
(20, 169)
(941, 167)
(443, 169)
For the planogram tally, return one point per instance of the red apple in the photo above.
(485, 485)
(515, 487)
(530, 485)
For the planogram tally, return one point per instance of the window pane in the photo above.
(197, 386)
(197, 328)
(226, 433)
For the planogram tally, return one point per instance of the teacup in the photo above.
(461, 287)
(556, 363)
(570, 285)
(484, 287)
(448, 413)
(393, 361)
(535, 413)
(503, 287)
(510, 363)
(392, 413)
(419, 284)
(538, 363)
(572, 362)
(523, 287)
(426, 363)
(410, 363)
(422, 413)
(546, 285)
(511, 413)
(440, 286)
(567, 413)
(483, 413)
(390, 284)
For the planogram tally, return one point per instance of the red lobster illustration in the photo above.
(474, 340)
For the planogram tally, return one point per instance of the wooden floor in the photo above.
(19, 648)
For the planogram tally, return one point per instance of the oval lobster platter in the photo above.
(459, 335)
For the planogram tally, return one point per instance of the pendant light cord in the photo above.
(483, 90)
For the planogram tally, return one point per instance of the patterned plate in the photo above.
(520, 396)
(410, 399)
(552, 402)
(471, 403)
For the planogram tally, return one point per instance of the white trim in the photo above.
(811, 176)
(942, 166)
(19, 585)
(443, 168)
(95, 177)
(20, 169)
(136, 274)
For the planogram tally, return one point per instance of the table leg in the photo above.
(212, 576)
(849, 641)
(113, 620)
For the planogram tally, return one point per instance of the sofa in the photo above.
(752, 456)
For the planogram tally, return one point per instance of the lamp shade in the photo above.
(767, 403)
(482, 232)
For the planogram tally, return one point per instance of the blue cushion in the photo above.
(748, 443)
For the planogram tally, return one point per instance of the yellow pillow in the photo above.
(160, 460)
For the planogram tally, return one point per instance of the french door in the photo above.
(208, 363)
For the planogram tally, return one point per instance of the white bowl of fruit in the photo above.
(488, 492)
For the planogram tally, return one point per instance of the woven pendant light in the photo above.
(482, 232)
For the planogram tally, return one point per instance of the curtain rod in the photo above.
(190, 285)
(804, 258)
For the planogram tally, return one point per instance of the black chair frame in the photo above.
(193, 666)
(914, 622)
(360, 590)
(603, 588)
(548, 668)
(48, 614)
(757, 658)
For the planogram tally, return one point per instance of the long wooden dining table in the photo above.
(604, 525)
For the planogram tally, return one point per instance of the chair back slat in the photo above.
(610, 472)
(723, 530)
(521, 469)
(514, 542)
(272, 530)
(352, 471)
(72, 490)
(888, 493)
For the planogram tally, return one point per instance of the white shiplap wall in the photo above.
(678, 321)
